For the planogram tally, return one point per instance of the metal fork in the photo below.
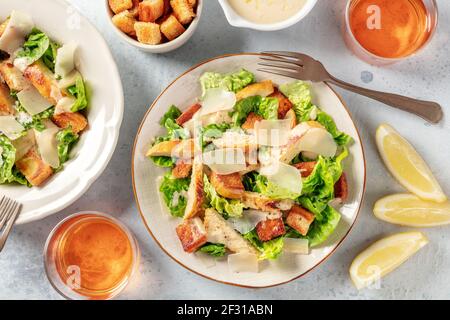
(303, 67)
(9, 210)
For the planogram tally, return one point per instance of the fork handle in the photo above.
(428, 110)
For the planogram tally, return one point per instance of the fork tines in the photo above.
(9, 210)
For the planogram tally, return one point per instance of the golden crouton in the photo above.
(182, 11)
(258, 201)
(195, 191)
(135, 9)
(284, 105)
(75, 120)
(229, 185)
(181, 170)
(192, 3)
(6, 101)
(117, 6)
(262, 89)
(300, 219)
(162, 149)
(270, 229)
(3, 26)
(306, 168)
(34, 168)
(341, 188)
(251, 120)
(148, 32)
(171, 28)
(192, 234)
(12, 76)
(125, 21)
(150, 10)
(43, 80)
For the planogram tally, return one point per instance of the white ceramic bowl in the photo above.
(159, 48)
(183, 91)
(238, 21)
(90, 156)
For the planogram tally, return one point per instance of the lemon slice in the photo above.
(384, 256)
(409, 210)
(406, 165)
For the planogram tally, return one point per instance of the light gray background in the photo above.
(426, 275)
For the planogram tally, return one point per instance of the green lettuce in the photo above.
(66, 139)
(37, 121)
(226, 207)
(35, 46)
(299, 93)
(231, 82)
(268, 108)
(8, 171)
(318, 187)
(214, 249)
(169, 186)
(173, 113)
(243, 108)
(78, 90)
(268, 249)
(320, 230)
(272, 190)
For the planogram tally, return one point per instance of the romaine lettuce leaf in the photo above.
(321, 230)
(226, 207)
(173, 189)
(271, 190)
(36, 120)
(66, 139)
(214, 249)
(8, 171)
(243, 108)
(231, 82)
(299, 93)
(268, 108)
(35, 46)
(173, 113)
(79, 92)
(269, 249)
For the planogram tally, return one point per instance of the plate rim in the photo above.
(121, 104)
(133, 156)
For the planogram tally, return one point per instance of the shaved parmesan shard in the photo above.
(65, 59)
(24, 144)
(274, 133)
(69, 80)
(48, 145)
(216, 100)
(10, 127)
(284, 176)
(243, 262)
(65, 105)
(19, 26)
(32, 101)
(225, 161)
(318, 141)
(299, 246)
(21, 64)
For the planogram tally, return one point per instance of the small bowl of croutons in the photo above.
(155, 26)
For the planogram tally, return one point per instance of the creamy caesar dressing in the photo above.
(267, 11)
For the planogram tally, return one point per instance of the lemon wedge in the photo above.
(406, 165)
(408, 210)
(384, 256)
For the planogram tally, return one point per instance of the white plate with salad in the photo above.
(61, 105)
(247, 178)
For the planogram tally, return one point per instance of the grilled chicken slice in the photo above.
(263, 89)
(181, 170)
(195, 192)
(188, 114)
(229, 185)
(75, 120)
(258, 201)
(162, 149)
(13, 77)
(6, 101)
(34, 168)
(220, 231)
(252, 118)
(192, 234)
(291, 116)
(44, 81)
(300, 219)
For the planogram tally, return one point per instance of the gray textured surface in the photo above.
(426, 275)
